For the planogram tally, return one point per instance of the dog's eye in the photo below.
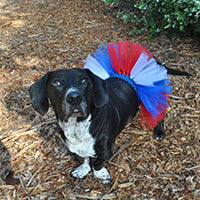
(85, 80)
(56, 83)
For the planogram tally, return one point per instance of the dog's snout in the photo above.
(74, 98)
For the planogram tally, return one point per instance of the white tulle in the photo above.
(142, 60)
(146, 72)
(93, 65)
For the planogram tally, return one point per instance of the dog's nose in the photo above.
(74, 98)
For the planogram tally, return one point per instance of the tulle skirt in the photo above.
(135, 64)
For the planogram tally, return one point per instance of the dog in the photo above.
(91, 112)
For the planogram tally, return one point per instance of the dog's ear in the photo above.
(38, 94)
(100, 92)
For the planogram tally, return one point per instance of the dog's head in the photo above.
(71, 93)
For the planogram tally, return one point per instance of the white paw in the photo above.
(81, 171)
(102, 175)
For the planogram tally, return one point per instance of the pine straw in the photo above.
(38, 36)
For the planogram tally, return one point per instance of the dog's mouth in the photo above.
(73, 111)
(76, 112)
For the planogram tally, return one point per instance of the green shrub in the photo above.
(156, 16)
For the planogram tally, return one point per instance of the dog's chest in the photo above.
(78, 139)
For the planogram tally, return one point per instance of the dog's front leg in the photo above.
(83, 169)
(159, 131)
(101, 172)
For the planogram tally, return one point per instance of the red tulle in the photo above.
(112, 50)
(147, 119)
(124, 55)
(135, 51)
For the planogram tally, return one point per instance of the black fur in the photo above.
(111, 103)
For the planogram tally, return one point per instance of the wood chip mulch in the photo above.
(42, 35)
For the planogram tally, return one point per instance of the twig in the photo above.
(44, 122)
(181, 98)
(64, 195)
(106, 196)
(27, 147)
(18, 112)
(86, 197)
(21, 182)
(34, 175)
(188, 169)
(15, 134)
(107, 193)
(121, 149)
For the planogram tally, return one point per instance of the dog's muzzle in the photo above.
(74, 98)
(74, 105)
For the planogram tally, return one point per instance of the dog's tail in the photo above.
(177, 72)
(135, 64)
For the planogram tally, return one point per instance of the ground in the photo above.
(41, 35)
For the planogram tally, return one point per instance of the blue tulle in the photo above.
(154, 96)
(163, 82)
(102, 56)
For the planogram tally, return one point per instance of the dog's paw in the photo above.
(159, 131)
(81, 171)
(102, 175)
(159, 134)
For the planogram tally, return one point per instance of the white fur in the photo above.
(78, 138)
(72, 89)
(80, 142)
(102, 175)
(82, 170)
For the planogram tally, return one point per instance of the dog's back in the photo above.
(122, 106)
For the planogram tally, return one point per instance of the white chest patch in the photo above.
(78, 138)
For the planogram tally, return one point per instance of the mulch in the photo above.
(42, 35)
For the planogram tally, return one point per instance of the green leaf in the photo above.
(181, 28)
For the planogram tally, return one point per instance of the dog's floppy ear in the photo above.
(100, 92)
(38, 94)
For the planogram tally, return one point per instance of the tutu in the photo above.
(135, 64)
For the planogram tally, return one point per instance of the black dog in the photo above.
(91, 112)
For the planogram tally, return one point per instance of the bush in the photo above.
(156, 16)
